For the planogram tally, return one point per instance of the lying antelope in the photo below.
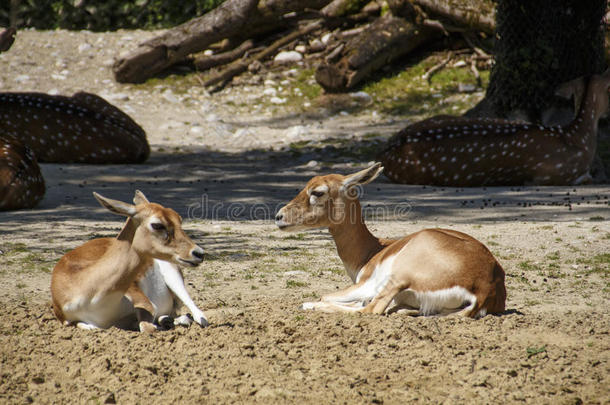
(83, 128)
(433, 271)
(21, 182)
(469, 152)
(131, 278)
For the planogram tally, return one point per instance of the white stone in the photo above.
(84, 47)
(270, 91)
(466, 87)
(326, 37)
(288, 57)
(311, 163)
(300, 48)
(277, 100)
(362, 96)
(168, 95)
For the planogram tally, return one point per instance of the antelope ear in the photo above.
(363, 177)
(140, 198)
(118, 207)
(573, 89)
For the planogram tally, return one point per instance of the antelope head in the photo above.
(326, 201)
(154, 231)
(599, 85)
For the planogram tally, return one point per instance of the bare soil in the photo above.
(551, 346)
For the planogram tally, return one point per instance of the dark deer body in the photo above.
(21, 183)
(83, 128)
(470, 152)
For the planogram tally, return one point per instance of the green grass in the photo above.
(598, 264)
(532, 351)
(296, 284)
(527, 265)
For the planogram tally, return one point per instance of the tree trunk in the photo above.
(385, 40)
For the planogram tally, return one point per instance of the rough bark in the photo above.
(385, 40)
(230, 19)
(476, 14)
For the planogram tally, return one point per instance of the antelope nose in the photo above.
(197, 253)
(279, 216)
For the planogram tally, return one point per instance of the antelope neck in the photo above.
(356, 245)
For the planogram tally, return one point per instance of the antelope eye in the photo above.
(317, 193)
(157, 226)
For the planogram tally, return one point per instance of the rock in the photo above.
(168, 95)
(326, 38)
(301, 49)
(255, 67)
(84, 47)
(316, 46)
(270, 91)
(361, 96)
(311, 163)
(288, 57)
(459, 63)
(295, 273)
(277, 100)
(466, 88)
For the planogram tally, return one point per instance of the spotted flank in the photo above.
(21, 183)
(83, 128)
(471, 152)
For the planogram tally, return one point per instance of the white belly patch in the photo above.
(436, 302)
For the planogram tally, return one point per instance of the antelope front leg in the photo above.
(381, 301)
(143, 308)
(175, 282)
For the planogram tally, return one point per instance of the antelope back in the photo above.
(83, 128)
(21, 183)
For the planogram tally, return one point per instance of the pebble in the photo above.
(362, 96)
(300, 48)
(326, 38)
(288, 57)
(311, 163)
(277, 100)
(466, 88)
(295, 273)
(269, 91)
(84, 47)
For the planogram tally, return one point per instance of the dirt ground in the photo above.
(551, 346)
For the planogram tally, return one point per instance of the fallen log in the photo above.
(232, 18)
(385, 40)
(241, 66)
(479, 15)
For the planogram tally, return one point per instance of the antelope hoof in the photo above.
(166, 322)
(147, 327)
(183, 320)
(200, 318)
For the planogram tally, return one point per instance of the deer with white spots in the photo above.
(83, 128)
(132, 280)
(21, 182)
(470, 152)
(433, 271)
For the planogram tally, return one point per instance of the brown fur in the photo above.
(427, 260)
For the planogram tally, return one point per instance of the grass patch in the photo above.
(527, 265)
(296, 284)
(598, 264)
(532, 351)
(597, 218)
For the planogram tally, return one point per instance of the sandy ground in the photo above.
(551, 346)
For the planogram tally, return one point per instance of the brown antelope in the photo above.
(433, 271)
(83, 128)
(133, 277)
(469, 152)
(21, 183)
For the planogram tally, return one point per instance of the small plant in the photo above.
(295, 284)
(532, 351)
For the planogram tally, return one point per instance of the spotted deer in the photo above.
(469, 152)
(21, 182)
(83, 128)
(432, 271)
(131, 280)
